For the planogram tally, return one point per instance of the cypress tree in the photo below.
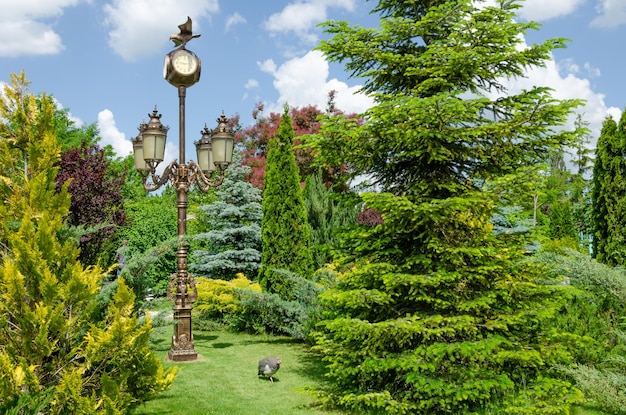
(285, 233)
(609, 194)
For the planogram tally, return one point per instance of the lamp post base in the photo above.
(182, 355)
(182, 341)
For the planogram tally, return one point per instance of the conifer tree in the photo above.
(583, 157)
(232, 243)
(562, 221)
(285, 233)
(609, 194)
(580, 186)
(54, 351)
(431, 313)
(327, 217)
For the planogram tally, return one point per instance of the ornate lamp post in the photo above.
(214, 153)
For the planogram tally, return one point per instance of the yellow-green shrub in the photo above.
(217, 298)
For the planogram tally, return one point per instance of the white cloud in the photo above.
(302, 16)
(139, 28)
(234, 19)
(268, 66)
(612, 13)
(24, 29)
(304, 81)
(592, 70)
(568, 65)
(252, 83)
(111, 135)
(542, 10)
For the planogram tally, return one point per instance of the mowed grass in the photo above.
(224, 381)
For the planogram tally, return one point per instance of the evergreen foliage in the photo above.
(562, 221)
(270, 313)
(450, 327)
(443, 111)
(431, 313)
(580, 184)
(285, 233)
(525, 187)
(52, 342)
(583, 151)
(510, 220)
(152, 242)
(149, 272)
(242, 306)
(232, 243)
(218, 298)
(327, 216)
(609, 194)
(594, 314)
(557, 185)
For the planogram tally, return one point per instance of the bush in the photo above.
(28, 404)
(268, 313)
(243, 307)
(596, 312)
(217, 298)
(603, 389)
(607, 285)
(562, 244)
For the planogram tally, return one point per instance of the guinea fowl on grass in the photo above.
(269, 366)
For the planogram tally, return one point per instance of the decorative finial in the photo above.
(222, 123)
(155, 114)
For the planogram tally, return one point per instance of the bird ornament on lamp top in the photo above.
(185, 35)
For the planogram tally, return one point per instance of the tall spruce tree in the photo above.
(233, 242)
(609, 194)
(432, 314)
(285, 233)
(56, 355)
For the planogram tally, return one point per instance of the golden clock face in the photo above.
(184, 62)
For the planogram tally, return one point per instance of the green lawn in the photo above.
(224, 381)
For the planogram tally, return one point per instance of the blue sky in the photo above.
(103, 59)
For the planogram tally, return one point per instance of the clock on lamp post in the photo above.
(182, 67)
